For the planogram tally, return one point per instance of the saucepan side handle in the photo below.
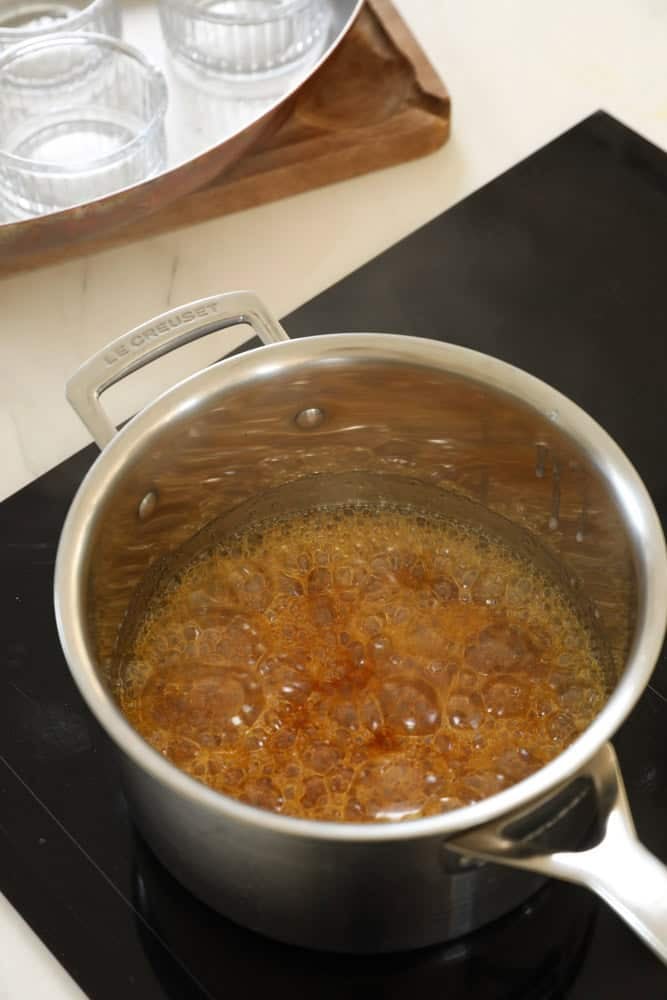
(618, 867)
(158, 337)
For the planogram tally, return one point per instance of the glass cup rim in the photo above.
(103, 42)
(17, 36)
(191, 9)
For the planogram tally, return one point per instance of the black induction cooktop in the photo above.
(557, 266)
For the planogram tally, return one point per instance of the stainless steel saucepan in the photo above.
(407, 414)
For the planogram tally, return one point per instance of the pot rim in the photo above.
(642, 523)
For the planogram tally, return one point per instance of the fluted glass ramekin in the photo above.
(81, 116)
(244, 39)
(26, 20)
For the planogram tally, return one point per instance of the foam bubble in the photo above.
(465, 711)
(410, 706)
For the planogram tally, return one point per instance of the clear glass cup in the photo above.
(81, 116)
(26, 20)
(244, 39)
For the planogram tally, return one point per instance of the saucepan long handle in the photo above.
(618, 867)
(158, 337)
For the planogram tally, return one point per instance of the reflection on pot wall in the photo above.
(387, 419)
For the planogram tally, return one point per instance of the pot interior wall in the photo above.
(444, 438)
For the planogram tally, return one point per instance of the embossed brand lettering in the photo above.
(141, 337)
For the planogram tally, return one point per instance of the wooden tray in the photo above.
(378, 101)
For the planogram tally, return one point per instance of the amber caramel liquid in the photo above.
(358, 664)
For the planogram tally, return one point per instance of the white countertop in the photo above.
(519, 73)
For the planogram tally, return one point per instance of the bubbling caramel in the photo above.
(361, 664)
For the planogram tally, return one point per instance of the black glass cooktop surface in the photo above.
(556, 266)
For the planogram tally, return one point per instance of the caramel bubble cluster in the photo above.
(361, 664)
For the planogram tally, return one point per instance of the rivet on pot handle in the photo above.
(618, 867)
(158, 337)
